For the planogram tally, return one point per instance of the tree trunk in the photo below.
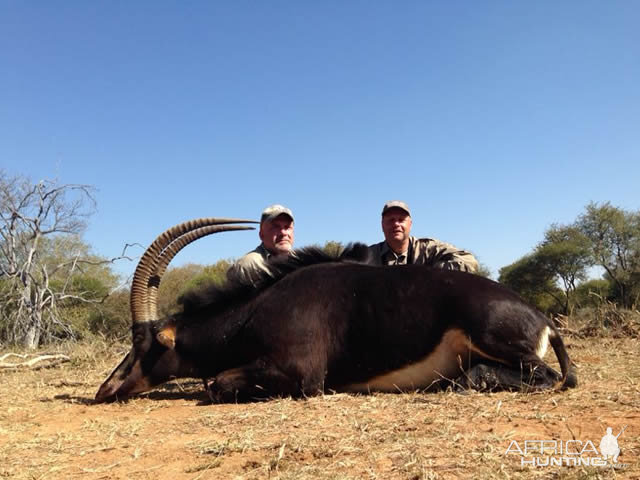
(33, 327)
(624, 293)
(31, 338)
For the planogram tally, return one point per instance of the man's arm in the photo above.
(247, 270)
(443, 255)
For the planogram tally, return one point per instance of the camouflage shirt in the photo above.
(249, 268)
(425, 251)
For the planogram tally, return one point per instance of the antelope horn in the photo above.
(171, 251)
(152, 258)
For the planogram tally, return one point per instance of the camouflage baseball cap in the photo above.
(273, 211)
(396, 204)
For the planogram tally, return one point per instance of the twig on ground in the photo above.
(34, 361)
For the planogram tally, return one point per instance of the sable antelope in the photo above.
(320, 324)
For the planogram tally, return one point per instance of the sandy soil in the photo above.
(49, 428)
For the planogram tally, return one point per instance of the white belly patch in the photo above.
(444, 362)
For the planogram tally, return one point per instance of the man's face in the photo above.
(396, 225)
(277, 234)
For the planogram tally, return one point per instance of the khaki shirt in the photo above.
(249, 268)
(425, 251)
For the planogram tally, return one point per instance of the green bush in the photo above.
(592, 293)
(112, 318)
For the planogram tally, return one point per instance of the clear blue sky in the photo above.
(491, 119)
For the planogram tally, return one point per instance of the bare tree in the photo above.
(33, 216)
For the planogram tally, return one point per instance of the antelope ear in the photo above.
(167, 336)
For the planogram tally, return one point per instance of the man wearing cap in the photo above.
(276, 233)
(399, 248)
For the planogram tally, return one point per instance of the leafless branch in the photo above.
(32, 361)
(33, 220)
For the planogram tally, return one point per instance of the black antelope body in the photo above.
(322, 324)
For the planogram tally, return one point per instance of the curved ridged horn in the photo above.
(151, 258)
(171, 251)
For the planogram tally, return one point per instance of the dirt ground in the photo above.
(49, 428)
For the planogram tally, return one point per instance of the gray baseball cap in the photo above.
(273, 211)
(396, 204)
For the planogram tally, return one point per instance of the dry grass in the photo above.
(605, 320)
(49, 429)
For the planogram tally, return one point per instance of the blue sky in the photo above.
(493, 120)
